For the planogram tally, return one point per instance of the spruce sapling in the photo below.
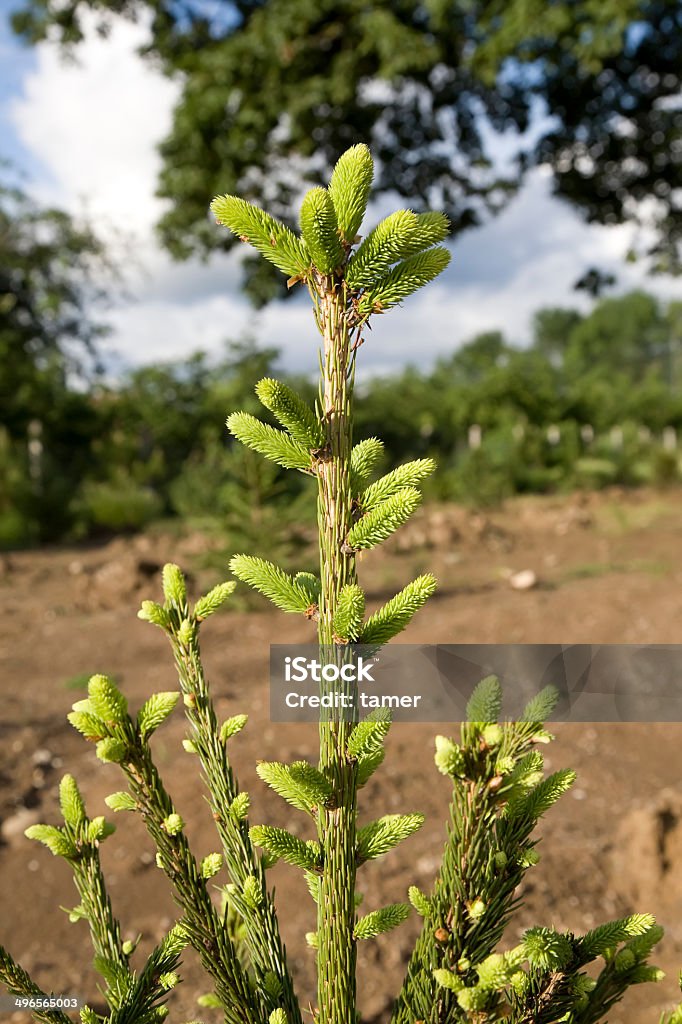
(499, 790)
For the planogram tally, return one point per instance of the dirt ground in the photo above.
(607, 570)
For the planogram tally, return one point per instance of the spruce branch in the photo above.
(540, 707)
(396, 614)
(269, 236)
(274, 444)
(211, 602)
(349, 189)
(539, 799)
(409, 475)
(485, 703)
(455, 973)
(347, 622)
(284, 846)
(600, 939)
(19, 983)
(155, 711)
(389, 242)
(204, 928)
(320, 231)
(380, 836)
(145, 994)
(229, 806)
(290, 594)
(299, 783)
(292, 412)
(432, 227)
(384, 519)
(368, 736)
(379, 921)
(483, 862)
(366, 744)
(403, 280)
(364, 457)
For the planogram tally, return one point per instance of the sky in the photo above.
(85, 134)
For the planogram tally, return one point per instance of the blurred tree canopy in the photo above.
(47, 338)
(430, 85)
(46, 293)
(118, 456)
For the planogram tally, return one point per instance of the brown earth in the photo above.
(608, 571)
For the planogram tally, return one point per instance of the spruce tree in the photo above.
(457, 972)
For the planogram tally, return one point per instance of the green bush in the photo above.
(117, 504)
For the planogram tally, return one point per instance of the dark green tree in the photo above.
(428, 85)
(552, 328)
(47, 290)
(48, 336)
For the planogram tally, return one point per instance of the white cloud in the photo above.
(94, 126)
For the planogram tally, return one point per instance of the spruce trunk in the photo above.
(336, 911)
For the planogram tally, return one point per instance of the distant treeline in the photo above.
(586, 402)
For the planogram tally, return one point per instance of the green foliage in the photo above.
(448, 758)
(384, 519)
(396, 614)
(283, 590)
(51, 264)
(419, 901)
(535, 803)
(403, 280)
(155, 711)
(155, 613)
(98, 829)
(111, 750)
(349, 613)
(547, 949)
(211, 865)
(157, 449)
(281, 845)
(174, 587)
(266, 234)
(498, 787)
(231, 133)
(57, 842)
(378, 837)
(320, 230)
(363, 458)
(71, 802)
(485, 703)
(349, 188)
(299, 783)
(232, 726)
(88, 725)
(121, 801)
(369, 733)
(120, 504)
(214, 600)
(600, 939)
(274, 444)
(389, 242)
(292, 412)
(409, 475)
(239, 808)
(106, 700)
(379, 921)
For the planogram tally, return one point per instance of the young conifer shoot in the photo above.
(461, 969)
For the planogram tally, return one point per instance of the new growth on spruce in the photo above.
(461, 969)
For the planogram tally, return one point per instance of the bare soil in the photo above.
(607, 570)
